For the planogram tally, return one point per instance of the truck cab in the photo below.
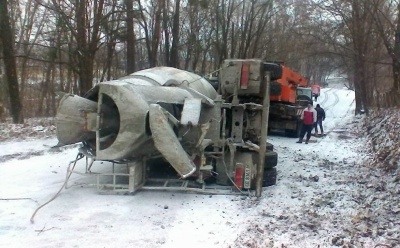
(304, 96)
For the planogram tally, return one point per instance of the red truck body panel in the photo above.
(315, 89)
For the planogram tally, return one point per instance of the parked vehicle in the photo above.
(289, 95)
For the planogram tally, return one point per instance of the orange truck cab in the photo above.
(286, 103)
(288, 84)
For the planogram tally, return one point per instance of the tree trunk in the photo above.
(166, 33)
(156, 35)
(174, 59)
(6, 37)
(130, 39)
(108, 63)
(87, 47)
(396, 53)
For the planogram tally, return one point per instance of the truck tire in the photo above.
(275, 69)
(271, 159)
(270, 147)
(269, 178)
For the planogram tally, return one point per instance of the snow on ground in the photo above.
(325, 197)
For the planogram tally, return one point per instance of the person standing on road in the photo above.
(309, 117)
(320, 118)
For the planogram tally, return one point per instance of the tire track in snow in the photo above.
(336, 100)
(326, 96)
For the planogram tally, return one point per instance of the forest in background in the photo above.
(50, 46)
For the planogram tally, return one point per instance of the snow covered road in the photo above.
(317, 201)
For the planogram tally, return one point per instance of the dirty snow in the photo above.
(331, 192)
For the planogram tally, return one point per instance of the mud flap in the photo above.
(167, 143)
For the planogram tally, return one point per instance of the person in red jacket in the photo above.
(309, 117)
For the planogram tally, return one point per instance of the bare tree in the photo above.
(130, 38)
(355, 41)
(85, 28)
(195, 34)
(150, 20)
(223, 15)
(314, 37)
(6, 38)
(111, 28)
(174, 59)
(387, 24)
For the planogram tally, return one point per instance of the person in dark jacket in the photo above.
(309, 117)
(320, 118)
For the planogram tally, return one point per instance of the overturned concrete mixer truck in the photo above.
(169, 129)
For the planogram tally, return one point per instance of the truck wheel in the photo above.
(271, 159)
(269, 178)
(270, 147)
